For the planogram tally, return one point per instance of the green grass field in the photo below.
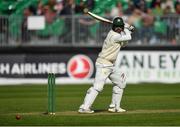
(149, 104)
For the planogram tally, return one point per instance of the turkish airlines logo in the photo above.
(80, 66)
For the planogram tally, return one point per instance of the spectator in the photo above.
(156, 7)
(167, 11)
(136, 20)
(48, 10)
(90, 4)
(117, 11)
(87, 4)
(83, 27)
(160, 30)
(80, 7)
(177, 7)
(168, 5)
(26, 34)
(68, 8)
(49, 14)
(142, 6)
(4, 30)
(51, 4)
(136, 3)
(40, 8)
(104, 28)
(130, 8)
(107, 14)
(147, 26)
(58, 6)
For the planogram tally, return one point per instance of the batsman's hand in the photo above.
(85, 10)
(123, 44)
(131, 28)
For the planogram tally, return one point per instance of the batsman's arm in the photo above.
(129, 27)
(118, 38)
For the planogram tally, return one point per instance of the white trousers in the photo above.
(102, 73)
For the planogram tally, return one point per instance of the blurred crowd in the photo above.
(54, 8)
(154, 20)
(148, 16)
(123, 7)
(68, 7)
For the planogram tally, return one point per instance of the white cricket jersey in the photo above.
(111, 47)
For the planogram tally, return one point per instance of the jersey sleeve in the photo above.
(118, 38)
(126, 25)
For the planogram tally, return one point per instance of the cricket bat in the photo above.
(86, 11)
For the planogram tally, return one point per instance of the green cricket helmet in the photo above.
(118, 22)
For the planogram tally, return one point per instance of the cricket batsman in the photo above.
(117, 37)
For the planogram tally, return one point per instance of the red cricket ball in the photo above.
(18, 117)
